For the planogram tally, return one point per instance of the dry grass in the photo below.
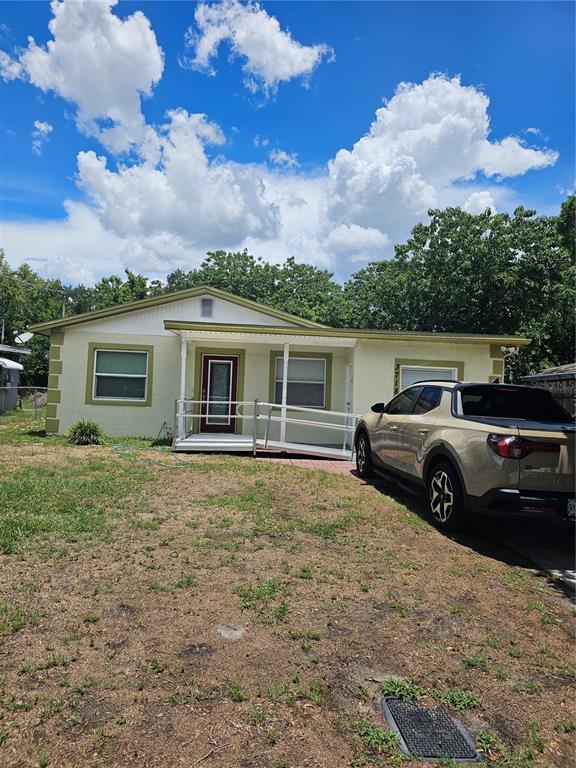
(221, 611)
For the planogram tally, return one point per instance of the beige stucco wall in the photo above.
(146, 421)
(374, 363)
(125, 419)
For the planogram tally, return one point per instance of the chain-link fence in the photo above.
(30, 400)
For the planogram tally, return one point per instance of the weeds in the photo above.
(259, 597)
(459, 700)
(476, 661)
(375, 740)
(51, 706)
(15, 617)
(407, 690)
(237, 694)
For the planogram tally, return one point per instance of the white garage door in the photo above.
(410, 374)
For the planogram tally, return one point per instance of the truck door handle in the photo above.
(393, 427)
(423, 431)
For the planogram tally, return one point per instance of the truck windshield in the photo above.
(508, 402)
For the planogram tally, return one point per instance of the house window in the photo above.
(410, 374)
(206, 307)
(120, 375)
(306, 381)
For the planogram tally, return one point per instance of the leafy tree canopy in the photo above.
(460, 272)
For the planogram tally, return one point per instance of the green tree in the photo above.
(567, 225)
(487, 273)
(301, 289)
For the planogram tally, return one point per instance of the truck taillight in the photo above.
(513, 447)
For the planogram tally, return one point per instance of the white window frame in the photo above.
(123, 375)
(425, 368)
(301, 381)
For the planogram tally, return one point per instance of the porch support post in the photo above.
(181, 408)
(284, 393)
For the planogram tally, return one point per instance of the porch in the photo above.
(264, 390)
(260, 422)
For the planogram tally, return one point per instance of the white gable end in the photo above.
(150, 320)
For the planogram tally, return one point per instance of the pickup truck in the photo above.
(473, 448)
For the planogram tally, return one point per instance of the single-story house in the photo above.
(128, 366)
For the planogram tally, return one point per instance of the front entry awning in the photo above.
(256, 335)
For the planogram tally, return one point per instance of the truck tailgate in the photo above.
(550, 466)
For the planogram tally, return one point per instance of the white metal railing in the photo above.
(263, 416)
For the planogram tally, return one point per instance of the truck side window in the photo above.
(404, 402)
(429, 399)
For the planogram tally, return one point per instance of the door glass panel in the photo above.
(219, 380)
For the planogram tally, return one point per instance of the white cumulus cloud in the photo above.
(40, 135)
(478, 202)
(183, 194)
(282, 158)
(425, 141)
(99, 62)
(354, 241)
(10, 69)
(270, 54)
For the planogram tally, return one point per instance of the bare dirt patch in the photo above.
(242, 613)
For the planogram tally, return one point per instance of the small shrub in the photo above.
(85, 433)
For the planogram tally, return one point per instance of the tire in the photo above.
(364, 465)
(445, 499)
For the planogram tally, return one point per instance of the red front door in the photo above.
(219, 387)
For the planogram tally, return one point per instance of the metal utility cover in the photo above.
(430, 734)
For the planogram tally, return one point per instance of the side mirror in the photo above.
(378, 408)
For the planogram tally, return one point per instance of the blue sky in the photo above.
(276, 166)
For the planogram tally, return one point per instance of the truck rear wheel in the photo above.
(445, 499)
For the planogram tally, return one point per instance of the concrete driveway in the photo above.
(546, 543)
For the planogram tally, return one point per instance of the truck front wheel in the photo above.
(364, 456)
(445, 499)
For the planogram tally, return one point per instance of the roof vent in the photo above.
(206, 307)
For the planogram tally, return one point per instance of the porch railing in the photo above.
(271, 426)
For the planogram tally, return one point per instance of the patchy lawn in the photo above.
(161, 610)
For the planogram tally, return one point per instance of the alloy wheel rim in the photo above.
(441, 496)
(361, 454)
